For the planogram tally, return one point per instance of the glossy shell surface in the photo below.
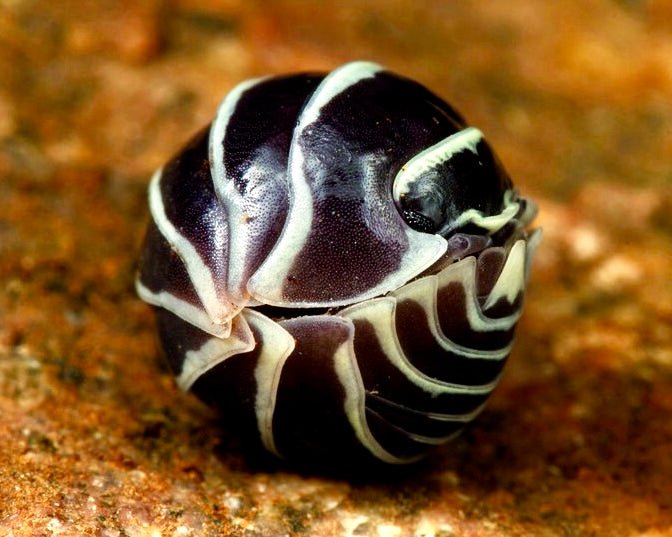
(338, 262)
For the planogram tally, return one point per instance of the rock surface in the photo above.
(97, 440)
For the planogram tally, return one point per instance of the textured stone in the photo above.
(97, 440)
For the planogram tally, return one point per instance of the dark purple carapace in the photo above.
(339, 261)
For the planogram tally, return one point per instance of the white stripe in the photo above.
(223, 187)
(380, 313)
(276, 346)
(491, 223)
(184, 310)
(354, 404)
(226, 192)
(218, 308)
(424, 292)
(214, 352)
(423, 251)
(419, 438)
(434, 156)
(266, 283)
(434, 441)
(436, 416)
(511, 280)
(334, 83)
(464, 273)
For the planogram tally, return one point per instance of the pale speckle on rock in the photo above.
(432, 528)
(388, 530)
(351, 523)
(585, 242)
(616, 272)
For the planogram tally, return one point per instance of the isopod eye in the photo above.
(424, 205)
(441, 188)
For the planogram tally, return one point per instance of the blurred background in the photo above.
(575, 96)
